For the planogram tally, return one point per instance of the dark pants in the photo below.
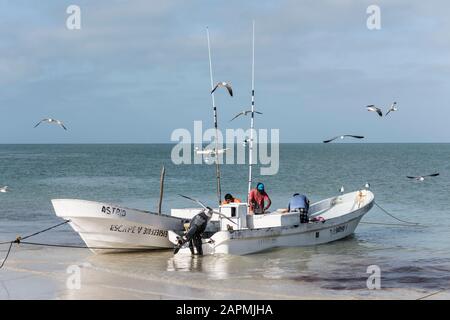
(303, 214)
(257, 209)
(194, 234)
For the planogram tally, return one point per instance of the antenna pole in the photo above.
(219, 196)
(250, 149)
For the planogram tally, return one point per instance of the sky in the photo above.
(138, 70)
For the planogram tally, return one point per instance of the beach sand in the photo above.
(52, 273)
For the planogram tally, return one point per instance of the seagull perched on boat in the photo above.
(421, 178)
(343, 136)
(224, 84)
(375, 109)
(392, 108)
(341, 190)
(244, 113)
(4, 189)
(52, 121)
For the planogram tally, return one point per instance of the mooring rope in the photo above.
(77, 246)
(42, 231)
(394, 217)
(7, 255)
(19, 239)
(391, 224)
(431, 294)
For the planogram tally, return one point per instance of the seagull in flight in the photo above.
(52, 121)
(342, 137)
(421, 178)
(375, 109)
(211, 152)
(392, 108)
(4, 189)
(224, 84)
(244, 113)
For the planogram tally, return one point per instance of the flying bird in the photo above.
(52, 121)
(421, 178)
(244, 113)
(210, 152)
(343, 136)
(392, 108)
(4, 189)
(375, 109)
(223, 84)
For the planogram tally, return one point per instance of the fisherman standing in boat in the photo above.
(195, 231)
(257, 199)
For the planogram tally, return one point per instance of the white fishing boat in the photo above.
(330, 220)
(117, 228)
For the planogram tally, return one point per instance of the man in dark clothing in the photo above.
(194, 234)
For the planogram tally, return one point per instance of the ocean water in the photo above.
(409, 257)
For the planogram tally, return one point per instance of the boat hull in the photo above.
(111, 228)
(256, 240)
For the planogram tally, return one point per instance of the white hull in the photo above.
(115, 228)
(342, 218)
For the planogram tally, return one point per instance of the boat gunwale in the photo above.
(120, 206)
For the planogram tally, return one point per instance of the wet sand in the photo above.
(50, 273)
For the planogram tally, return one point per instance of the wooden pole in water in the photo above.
(161, 189)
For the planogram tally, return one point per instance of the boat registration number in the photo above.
(339, 229)
(112, 210)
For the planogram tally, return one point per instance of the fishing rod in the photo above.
(219, 195)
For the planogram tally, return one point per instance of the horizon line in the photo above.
(174, 143)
